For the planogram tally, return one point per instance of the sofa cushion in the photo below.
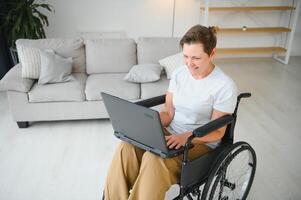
(29, 55)
(110, 55)
(150, 50)
(153, 89)
(68, 91)
(112, 84)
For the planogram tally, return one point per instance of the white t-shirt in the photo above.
(194, 100)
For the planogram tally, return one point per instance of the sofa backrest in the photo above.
(97, 55)
(29, 56)
(152, 49)
(110, 55)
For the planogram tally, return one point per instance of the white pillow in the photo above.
(30, 60)
(54, 68)
(172, 62)
(144, 73)
(29, 54)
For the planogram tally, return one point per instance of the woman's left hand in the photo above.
(177, 141)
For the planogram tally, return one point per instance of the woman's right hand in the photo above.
(177, 140)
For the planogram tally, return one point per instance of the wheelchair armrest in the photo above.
(213, 125)
(154, 101)
(205, 130)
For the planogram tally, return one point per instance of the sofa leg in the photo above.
(23, 124)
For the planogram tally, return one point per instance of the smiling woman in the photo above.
(198, 56)
(198, 92)
(198, 62)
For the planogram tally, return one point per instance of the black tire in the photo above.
(221, 183)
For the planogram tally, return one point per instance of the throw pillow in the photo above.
(144, 73)
(54, 68)
(172, 62)
(29, 54)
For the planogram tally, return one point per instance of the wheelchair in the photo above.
(226, 172)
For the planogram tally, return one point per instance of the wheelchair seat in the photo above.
(224, 173)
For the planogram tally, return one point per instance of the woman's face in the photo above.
(196, 59)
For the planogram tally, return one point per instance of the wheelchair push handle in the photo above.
(240, 96)
(244, 95)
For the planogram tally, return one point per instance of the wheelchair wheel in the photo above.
(232, 175)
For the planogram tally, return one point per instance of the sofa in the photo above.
(99, 66)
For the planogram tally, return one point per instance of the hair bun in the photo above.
(213, 29)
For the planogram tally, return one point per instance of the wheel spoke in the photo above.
(234, 175)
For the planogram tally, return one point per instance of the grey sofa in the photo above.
(103, 66)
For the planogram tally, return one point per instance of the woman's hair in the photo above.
(200, 34)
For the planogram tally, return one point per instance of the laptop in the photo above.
(138, 125)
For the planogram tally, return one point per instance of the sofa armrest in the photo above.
(13, 80)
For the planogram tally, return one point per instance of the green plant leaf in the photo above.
(39, 29)
(42, 17)
(46, 6)
(30, 2)
(23, 19)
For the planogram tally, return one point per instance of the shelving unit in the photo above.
(252, 8)
(254, 29)
(251, 50)
(277, 51)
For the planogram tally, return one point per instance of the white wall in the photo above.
(134, 17)
(154, 18)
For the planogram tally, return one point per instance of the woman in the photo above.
(198, 93)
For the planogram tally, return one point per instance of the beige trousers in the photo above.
(147, 176)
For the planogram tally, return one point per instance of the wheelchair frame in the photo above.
(208, 167)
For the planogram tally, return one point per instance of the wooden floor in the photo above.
(68, 160)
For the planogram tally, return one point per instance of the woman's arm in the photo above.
(167, 114)
(177, 141)
(215, 135)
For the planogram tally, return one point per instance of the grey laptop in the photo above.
(138, 125)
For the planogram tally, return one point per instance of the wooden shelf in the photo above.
(251, 50)
(252, 8)
(279, 53)
(253, 29)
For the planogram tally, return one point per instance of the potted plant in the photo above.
(22, 19)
